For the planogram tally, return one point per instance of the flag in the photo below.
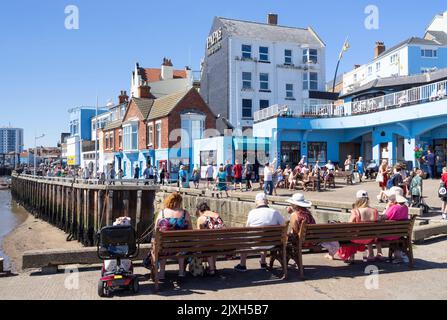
(345, 48)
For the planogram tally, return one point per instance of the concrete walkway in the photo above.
(324, 280)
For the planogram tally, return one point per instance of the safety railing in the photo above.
(418, 95)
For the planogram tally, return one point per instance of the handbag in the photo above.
(379, 178)
(196, 268)
(442, 192)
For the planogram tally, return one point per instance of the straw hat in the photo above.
(396, 194)
(299, 200)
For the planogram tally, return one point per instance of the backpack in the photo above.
(390, 182)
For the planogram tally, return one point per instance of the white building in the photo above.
(410, 57)
(163, 81)
(251, 66)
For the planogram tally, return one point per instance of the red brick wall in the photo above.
(133, 113)
(192, 101)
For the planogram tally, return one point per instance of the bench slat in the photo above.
(336, 226)
(218, 241)
(355, 230)
(222, 231)
(217, 234)
(220, 247)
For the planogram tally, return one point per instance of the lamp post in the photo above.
(35, 152)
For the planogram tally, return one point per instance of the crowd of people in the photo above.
(175, 218)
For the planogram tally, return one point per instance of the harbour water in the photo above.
(11, 216)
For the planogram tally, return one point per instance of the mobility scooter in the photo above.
(117, 245)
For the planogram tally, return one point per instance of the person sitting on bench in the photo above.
(262, 216)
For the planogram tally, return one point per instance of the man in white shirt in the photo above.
(262, 216)
(268, 177)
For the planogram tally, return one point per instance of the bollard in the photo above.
(1, 265)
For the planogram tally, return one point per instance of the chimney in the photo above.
(144, 92)
(379, 49)
(356, 66)
(167, 70)
(123, 97)
(272, 19)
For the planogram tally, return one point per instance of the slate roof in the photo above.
(144, 105)
(415, 80)
(163, 106)
(438, 36)
(412, 40)
(113, 125)
(263, 31)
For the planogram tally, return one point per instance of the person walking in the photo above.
(148, 174)
(112, 174)
(183, 177)
(248, 171)
(163, 173)
(382, 178)
(136, 174)
(268, 178)
(430, 159)
(196, 177)
(360, 168)
(237, 172)
(229, 172)
(209, 176)
(443, 193)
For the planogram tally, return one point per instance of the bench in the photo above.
(310, 236)
(218, 243)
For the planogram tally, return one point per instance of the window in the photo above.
(289, 91)
(246, 80)
(264, 54)
(291, 153)
(370, 70)
(317, 151)
(111, 142)
(310, 81)
(120, 139)
(264, 81)
(378, 66)
(287, 57)
(429, 53)
(131, 136)
(158, 134)
(263, 104)
(310, 56)
(246, 51)
(247, 108)
(394, 58)
(107, 141)
(355, 77)
(193, 128)
(150, 135)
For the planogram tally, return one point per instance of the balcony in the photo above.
(415, 96)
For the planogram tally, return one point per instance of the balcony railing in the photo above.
(418, 95)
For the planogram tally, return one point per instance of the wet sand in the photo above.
(34, 234)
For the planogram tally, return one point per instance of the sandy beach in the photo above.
(34, 234)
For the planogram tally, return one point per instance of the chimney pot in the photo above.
(272, 19)
(379, 48)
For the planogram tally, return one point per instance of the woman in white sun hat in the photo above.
(299, 213)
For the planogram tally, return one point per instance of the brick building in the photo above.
(158, 131)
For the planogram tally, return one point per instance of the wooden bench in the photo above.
(348, 175)
(311, 236)
(219, 243)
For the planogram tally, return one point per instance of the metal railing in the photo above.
(418, 95)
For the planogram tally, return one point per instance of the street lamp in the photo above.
(35, 152)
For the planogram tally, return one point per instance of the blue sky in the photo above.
(46, 69)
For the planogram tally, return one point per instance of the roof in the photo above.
(415, 80)
(438, 36)
(162, 107)
(143, 105)
(264, 31)
(113, 125)
(412, 40)
(154, 74)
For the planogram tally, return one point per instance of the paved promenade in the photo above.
(324, 280)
